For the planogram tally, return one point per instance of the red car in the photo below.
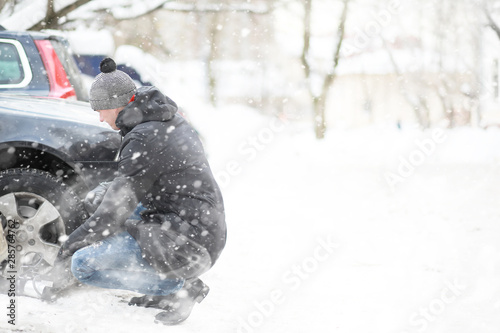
(39, 64)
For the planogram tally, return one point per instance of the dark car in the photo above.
(52, 151)
(39, 64)
(89, 65)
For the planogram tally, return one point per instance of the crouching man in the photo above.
(159, 224)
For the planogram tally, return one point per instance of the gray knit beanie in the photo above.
(112, 88)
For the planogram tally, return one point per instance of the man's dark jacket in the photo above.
(163, 166)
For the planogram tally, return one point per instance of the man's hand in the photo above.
(94, 197)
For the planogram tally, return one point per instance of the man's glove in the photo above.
(94, 197)
(78, 239)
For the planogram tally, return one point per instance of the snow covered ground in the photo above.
(369, 230)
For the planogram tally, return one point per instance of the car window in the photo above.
(11, 70)
(14, 67)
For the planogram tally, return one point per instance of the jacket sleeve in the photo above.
(136, 175)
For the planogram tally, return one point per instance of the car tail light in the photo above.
(60, 87)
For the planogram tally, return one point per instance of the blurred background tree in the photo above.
(341, 63)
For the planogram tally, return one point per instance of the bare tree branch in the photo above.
(340, 35)
(491, 22)
(149, 11)
(3, 3)
(417, 102)
(319, 99)
(306, 38)
(206, 8)
(217, 8)
(50, 9)
(9, 4)
(51, 21)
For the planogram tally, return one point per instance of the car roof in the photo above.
(32, 34)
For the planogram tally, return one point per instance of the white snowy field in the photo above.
(369, 230)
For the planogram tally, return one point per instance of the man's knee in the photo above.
(81, 266)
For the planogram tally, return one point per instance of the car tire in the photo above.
(39, 209)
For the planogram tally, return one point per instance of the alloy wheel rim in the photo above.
(38, 231)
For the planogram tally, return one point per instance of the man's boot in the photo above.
(178, 306)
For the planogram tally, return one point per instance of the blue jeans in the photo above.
(117, 263)
(136, 214)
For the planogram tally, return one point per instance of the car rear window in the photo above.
(14, 67)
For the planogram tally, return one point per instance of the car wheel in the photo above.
(37, 211)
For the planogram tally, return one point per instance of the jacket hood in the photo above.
(148, 104)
